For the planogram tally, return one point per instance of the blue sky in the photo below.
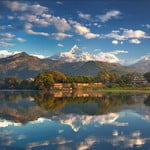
(47, 27)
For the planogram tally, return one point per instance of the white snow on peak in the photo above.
(75, 54)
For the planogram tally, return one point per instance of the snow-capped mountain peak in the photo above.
(75, 54)
(146, 58)
(75, 49)
(143, 63)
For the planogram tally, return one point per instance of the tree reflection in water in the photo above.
(26, 106)
(52, 120)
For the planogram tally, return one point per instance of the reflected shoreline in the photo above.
(38, 120)
(24, 106)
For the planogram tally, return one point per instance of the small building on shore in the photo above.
(64, 86)
(70, 86)
(139, 80)
(31, 79)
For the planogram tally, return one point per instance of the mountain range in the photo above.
(143, 64)
(74, 62)
(75, 54)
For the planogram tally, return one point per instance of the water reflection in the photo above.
(90, 120)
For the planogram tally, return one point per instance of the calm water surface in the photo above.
(79, 121)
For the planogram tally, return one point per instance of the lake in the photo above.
(32, 120)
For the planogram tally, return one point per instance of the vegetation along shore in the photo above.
(54, 80)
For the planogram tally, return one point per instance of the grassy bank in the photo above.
(117, 87)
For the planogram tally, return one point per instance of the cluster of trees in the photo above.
(147, 76)
(15, 83)
(80, 79)
(104, 103)
(47, 79)
(113, 77)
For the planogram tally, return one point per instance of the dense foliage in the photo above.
(14, 83)
(46, 80)
(147, 76)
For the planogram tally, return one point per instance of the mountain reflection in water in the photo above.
(90, 120)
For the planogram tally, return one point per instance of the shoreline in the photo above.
(84, 90)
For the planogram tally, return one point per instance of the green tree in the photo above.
(44, 81)
(104, 76)
(129, 77)
(25, 84)
(11, 83)
(114, 77)
(126, 79)
(147, 76)
(58, 76)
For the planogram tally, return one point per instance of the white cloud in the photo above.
(60, 35)
(38, 15)
(114, 35)
(115, 42)
(61, 24)
(45, 20)
(82, 30)
(6, 36)
(59, 2)
(6, 53)
(60, 45)
(96, 24)
(3, 27)
(11, 17)
(39, 56)
(20, 39)
(116, 52)
(108, 56)
(125, 34)
(34, 19)
(37, 33)
(134, 34)
(17, 6)
(109, 15)
(146, 25)
(84, 16)
(28, 29)
(135, 41)
(6, 44)
(91, 35)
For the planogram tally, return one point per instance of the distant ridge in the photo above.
(143, 64)
(23, 66)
